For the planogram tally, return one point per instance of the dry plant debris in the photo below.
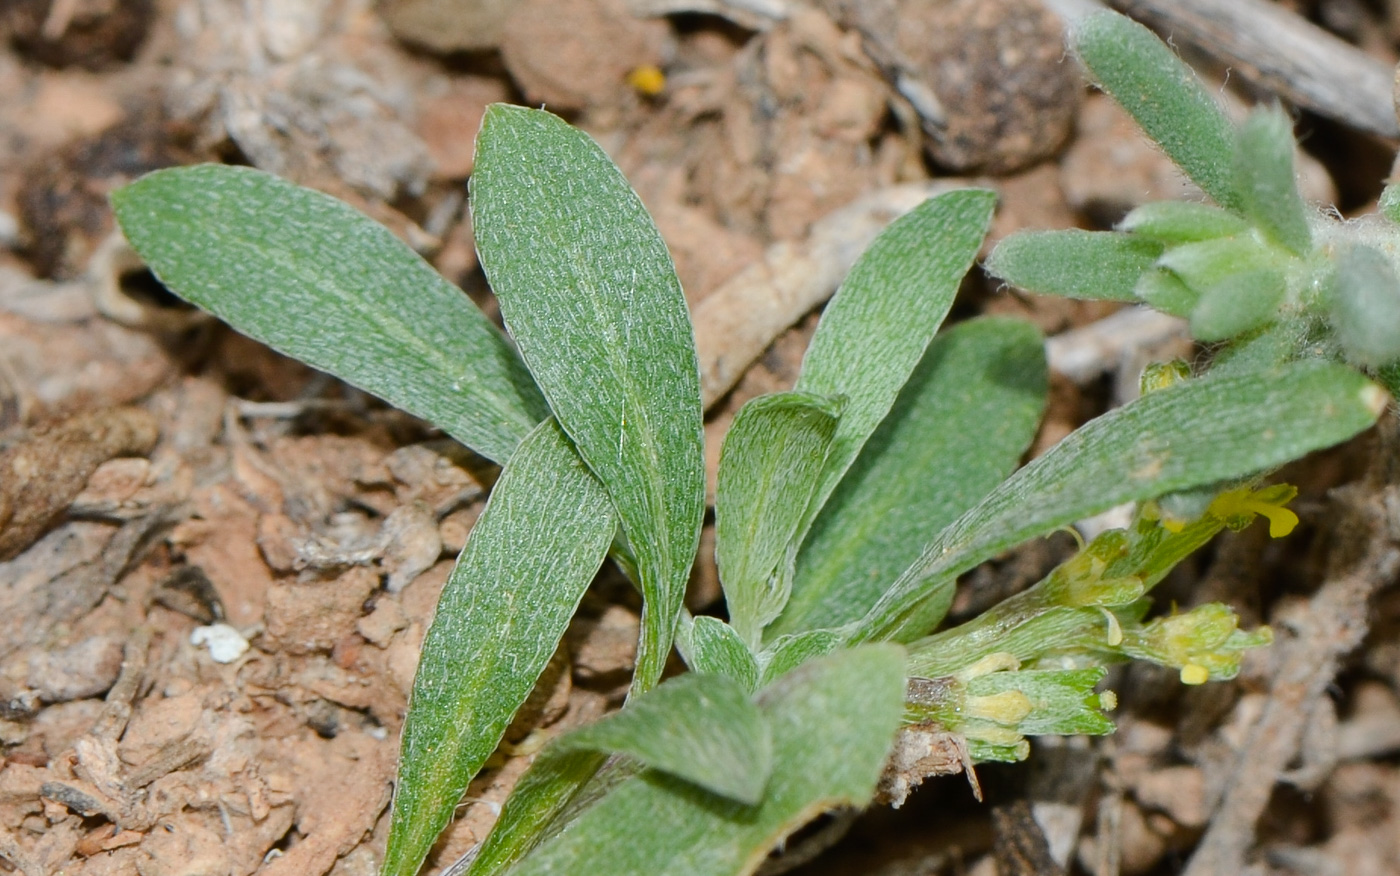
(47, 469)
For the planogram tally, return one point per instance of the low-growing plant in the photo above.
(1258, 270)
(845, 510)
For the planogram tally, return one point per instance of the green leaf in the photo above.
(1390, 203)
(714, 646)
(1263, 350)
(1210, 262)
(316, 279)
(1182, 222)
(538, 543)
(958, 429)
(588, 291)
(1237, 304)
(1148, 80)
(551, 789)
(768, 471)
(1019, 632)
(1194, 433)
(1093, 265)
(1164, 291)
(876, 328)
(1366, 306)
(796, 649)
(1003, 706)
(1266, 182)
(1062, 702)
(833, 721)
(698, 727)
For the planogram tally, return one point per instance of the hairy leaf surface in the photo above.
(833, 720)
(1093, 265)
(538, 543)
(316, 279)
(877, 327)
(1165, 98)
(699, 727)
(587, 290)
(1195, 433)
(716, 647)
(958, 429)
(768, 470)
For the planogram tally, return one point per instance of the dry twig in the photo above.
(1276, 49)
(1364, 558)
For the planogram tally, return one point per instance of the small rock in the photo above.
(378, 627)
(91, 34)
(852, 110)
(160, 723)
(551, 50)
(448, 25)
(455, 527)
(313, 616)
(448, 122)
(604, 646)
(1178, 791)
(290, 29)
(41, 474)
(112, 487)
(278, 537)
(1140, 845)
(79, 671)
(225, 643)
(60, 725)
(412, 544)
(990, 79)
(9, 229)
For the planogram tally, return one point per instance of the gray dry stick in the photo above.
(1364, 558)
(1272, 47)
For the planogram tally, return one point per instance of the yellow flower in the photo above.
(1194, 674)
(1237, 507)
(647, 79)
